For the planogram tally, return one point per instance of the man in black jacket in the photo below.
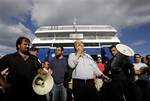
(22, 67)
(121, 71)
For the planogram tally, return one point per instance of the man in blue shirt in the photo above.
(59, 66)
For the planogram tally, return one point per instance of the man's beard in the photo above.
(26, 52)
(57, 56)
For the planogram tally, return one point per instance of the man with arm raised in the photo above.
(85, 70)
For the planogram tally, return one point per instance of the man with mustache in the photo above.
(22, 67)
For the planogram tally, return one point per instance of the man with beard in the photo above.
(59, 66)
(22, 67)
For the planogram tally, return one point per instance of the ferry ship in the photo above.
(97, 39)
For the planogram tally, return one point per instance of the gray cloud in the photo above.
(114, 12)
(12, 14)
(6, 49)
(10, 33)
(13, 11)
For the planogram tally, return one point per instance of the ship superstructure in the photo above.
(94, 37)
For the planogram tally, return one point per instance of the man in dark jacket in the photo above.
(121, 71)
(22, 67)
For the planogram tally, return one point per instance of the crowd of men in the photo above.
(76, 76)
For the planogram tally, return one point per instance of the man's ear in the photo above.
(18, 46)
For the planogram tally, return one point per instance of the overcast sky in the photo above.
(22, 17)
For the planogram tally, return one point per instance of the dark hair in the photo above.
(137, 54)
(19, 41)
(62, 49)
(147, 56)
(34, 49)
(113, 46)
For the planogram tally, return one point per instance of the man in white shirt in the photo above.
(139, 68)
(141, 77)
(85, 70)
